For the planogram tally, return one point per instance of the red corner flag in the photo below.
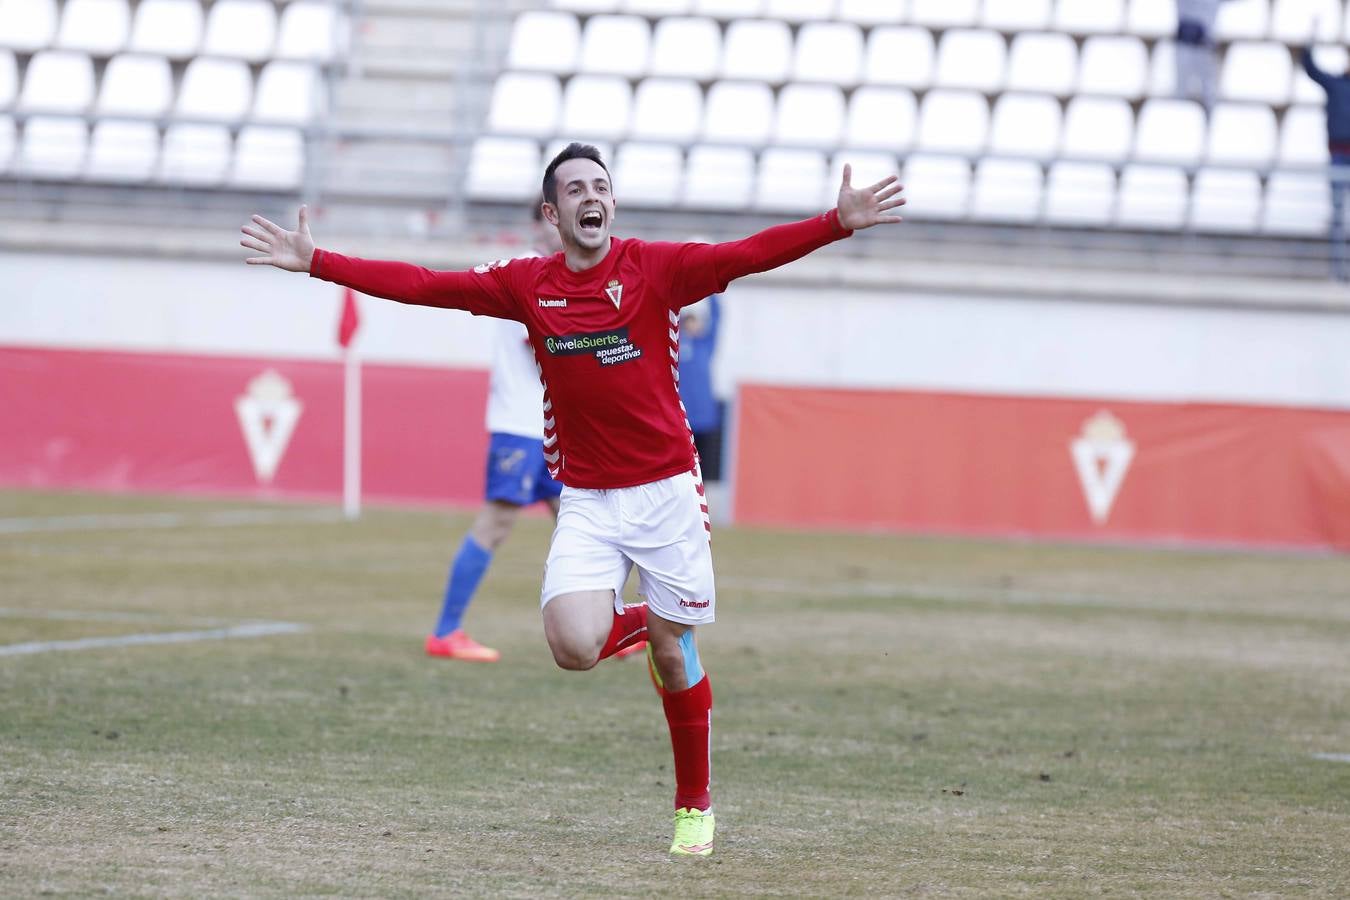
(350, 321)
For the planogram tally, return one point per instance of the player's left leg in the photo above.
(670, 543)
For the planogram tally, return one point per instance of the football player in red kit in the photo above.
(603, 319)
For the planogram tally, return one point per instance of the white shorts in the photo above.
(661, 527)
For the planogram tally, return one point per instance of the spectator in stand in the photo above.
(1197, 65)
(698, 341)
(1337, 88)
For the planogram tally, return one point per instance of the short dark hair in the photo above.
(574, 150)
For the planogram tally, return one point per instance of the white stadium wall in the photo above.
(66, 312)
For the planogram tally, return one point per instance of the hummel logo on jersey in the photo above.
(614, 291)
(694, 604)
(545, 303)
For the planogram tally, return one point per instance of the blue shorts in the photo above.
(516, 471)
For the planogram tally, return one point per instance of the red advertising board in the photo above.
(229, 425)
(1080, 469)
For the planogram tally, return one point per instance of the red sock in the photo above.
(629, 627)
(689, 713)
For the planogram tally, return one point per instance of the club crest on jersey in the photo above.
(614, 291)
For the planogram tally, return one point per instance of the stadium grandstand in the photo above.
(1038, 133)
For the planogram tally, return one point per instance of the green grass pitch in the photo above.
(894, 717)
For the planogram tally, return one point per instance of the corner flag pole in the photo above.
(351, 407)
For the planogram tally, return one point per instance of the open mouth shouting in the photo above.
(591, 222)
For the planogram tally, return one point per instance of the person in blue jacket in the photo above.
(698, 340)
(1337, 88)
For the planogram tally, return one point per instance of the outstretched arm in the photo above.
(697, 270)
(484, 291)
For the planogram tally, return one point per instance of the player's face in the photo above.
(585, 207)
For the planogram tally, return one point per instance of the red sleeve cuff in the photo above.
(831, 217)
(314, 263)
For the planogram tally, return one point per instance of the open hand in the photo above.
(865, 207)
(289, 250)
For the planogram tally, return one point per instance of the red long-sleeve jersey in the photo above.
(606, 339)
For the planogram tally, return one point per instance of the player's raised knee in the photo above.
(574, 657)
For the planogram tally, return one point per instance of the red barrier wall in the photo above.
(1213, 474)
(222, 425)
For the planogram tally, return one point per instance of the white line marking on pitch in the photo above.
(253, 629)
(1333, 757)
(221, 518)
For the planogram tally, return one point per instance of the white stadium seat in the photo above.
(587, 6)
(503, 169)
(172, 28)
(1242, 20)
(728, 9)
(871, 12)
(686, 48)
(544, 41)
(288, 93)
(242, 29)
(648, 175)
(1297, 203)
(1089, 16)
(1153, 18)
(1007, 190)
(1305, 21)
(27, 24)
(525, 103)
(596, 107)
(738, 112)
(936, 187)
(1303, 137)
(1114, 65)
(1242, 134)
(953, 122)
(9, 79)
(809, 115)
(615, 45)
(790, 181)
(1257, 71)
(196, 155)
(1330, 59)
(1025, 125)
(972, 59)
(100, 27)
(881, 118)
(268, 158)
(58, 81)
(315, 31)
(122, 151)
(1171, 131)
(902, 56)
(52, 148)
(1152, 197)
(798, 10)
(1225, 200)
(757, 49)
(1098, 128)
(135, 85)
(943, 13)
(666, 109)
(218, 89)
(718, 178)
(8, 139)
(1043, 63)
(828, 51)
(1080, 193)
(656, 8)
(1016, 15)
(1162, 76)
